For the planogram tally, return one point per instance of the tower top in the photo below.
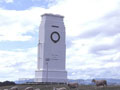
(52, 15)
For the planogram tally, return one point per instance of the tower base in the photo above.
(51, 76)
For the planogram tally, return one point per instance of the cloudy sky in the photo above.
(92, 37)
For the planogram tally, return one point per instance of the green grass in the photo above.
(50, 87)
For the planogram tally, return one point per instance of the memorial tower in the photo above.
(51, 50)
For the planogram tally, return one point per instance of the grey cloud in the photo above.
(106, 47)
(90, 33)
(110, 29)
(110, 26)
(114, 14)
(115, 45)
(96, 49)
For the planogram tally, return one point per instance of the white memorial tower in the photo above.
(51, 50)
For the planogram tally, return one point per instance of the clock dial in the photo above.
(55, 37)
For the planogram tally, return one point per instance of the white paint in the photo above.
(51, 53)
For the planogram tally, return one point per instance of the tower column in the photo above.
(51, 50)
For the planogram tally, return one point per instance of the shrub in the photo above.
(6, 83)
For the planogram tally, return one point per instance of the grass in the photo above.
(50, 87)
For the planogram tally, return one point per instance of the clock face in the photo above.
(55, 37)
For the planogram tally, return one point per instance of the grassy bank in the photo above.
(50, 87)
